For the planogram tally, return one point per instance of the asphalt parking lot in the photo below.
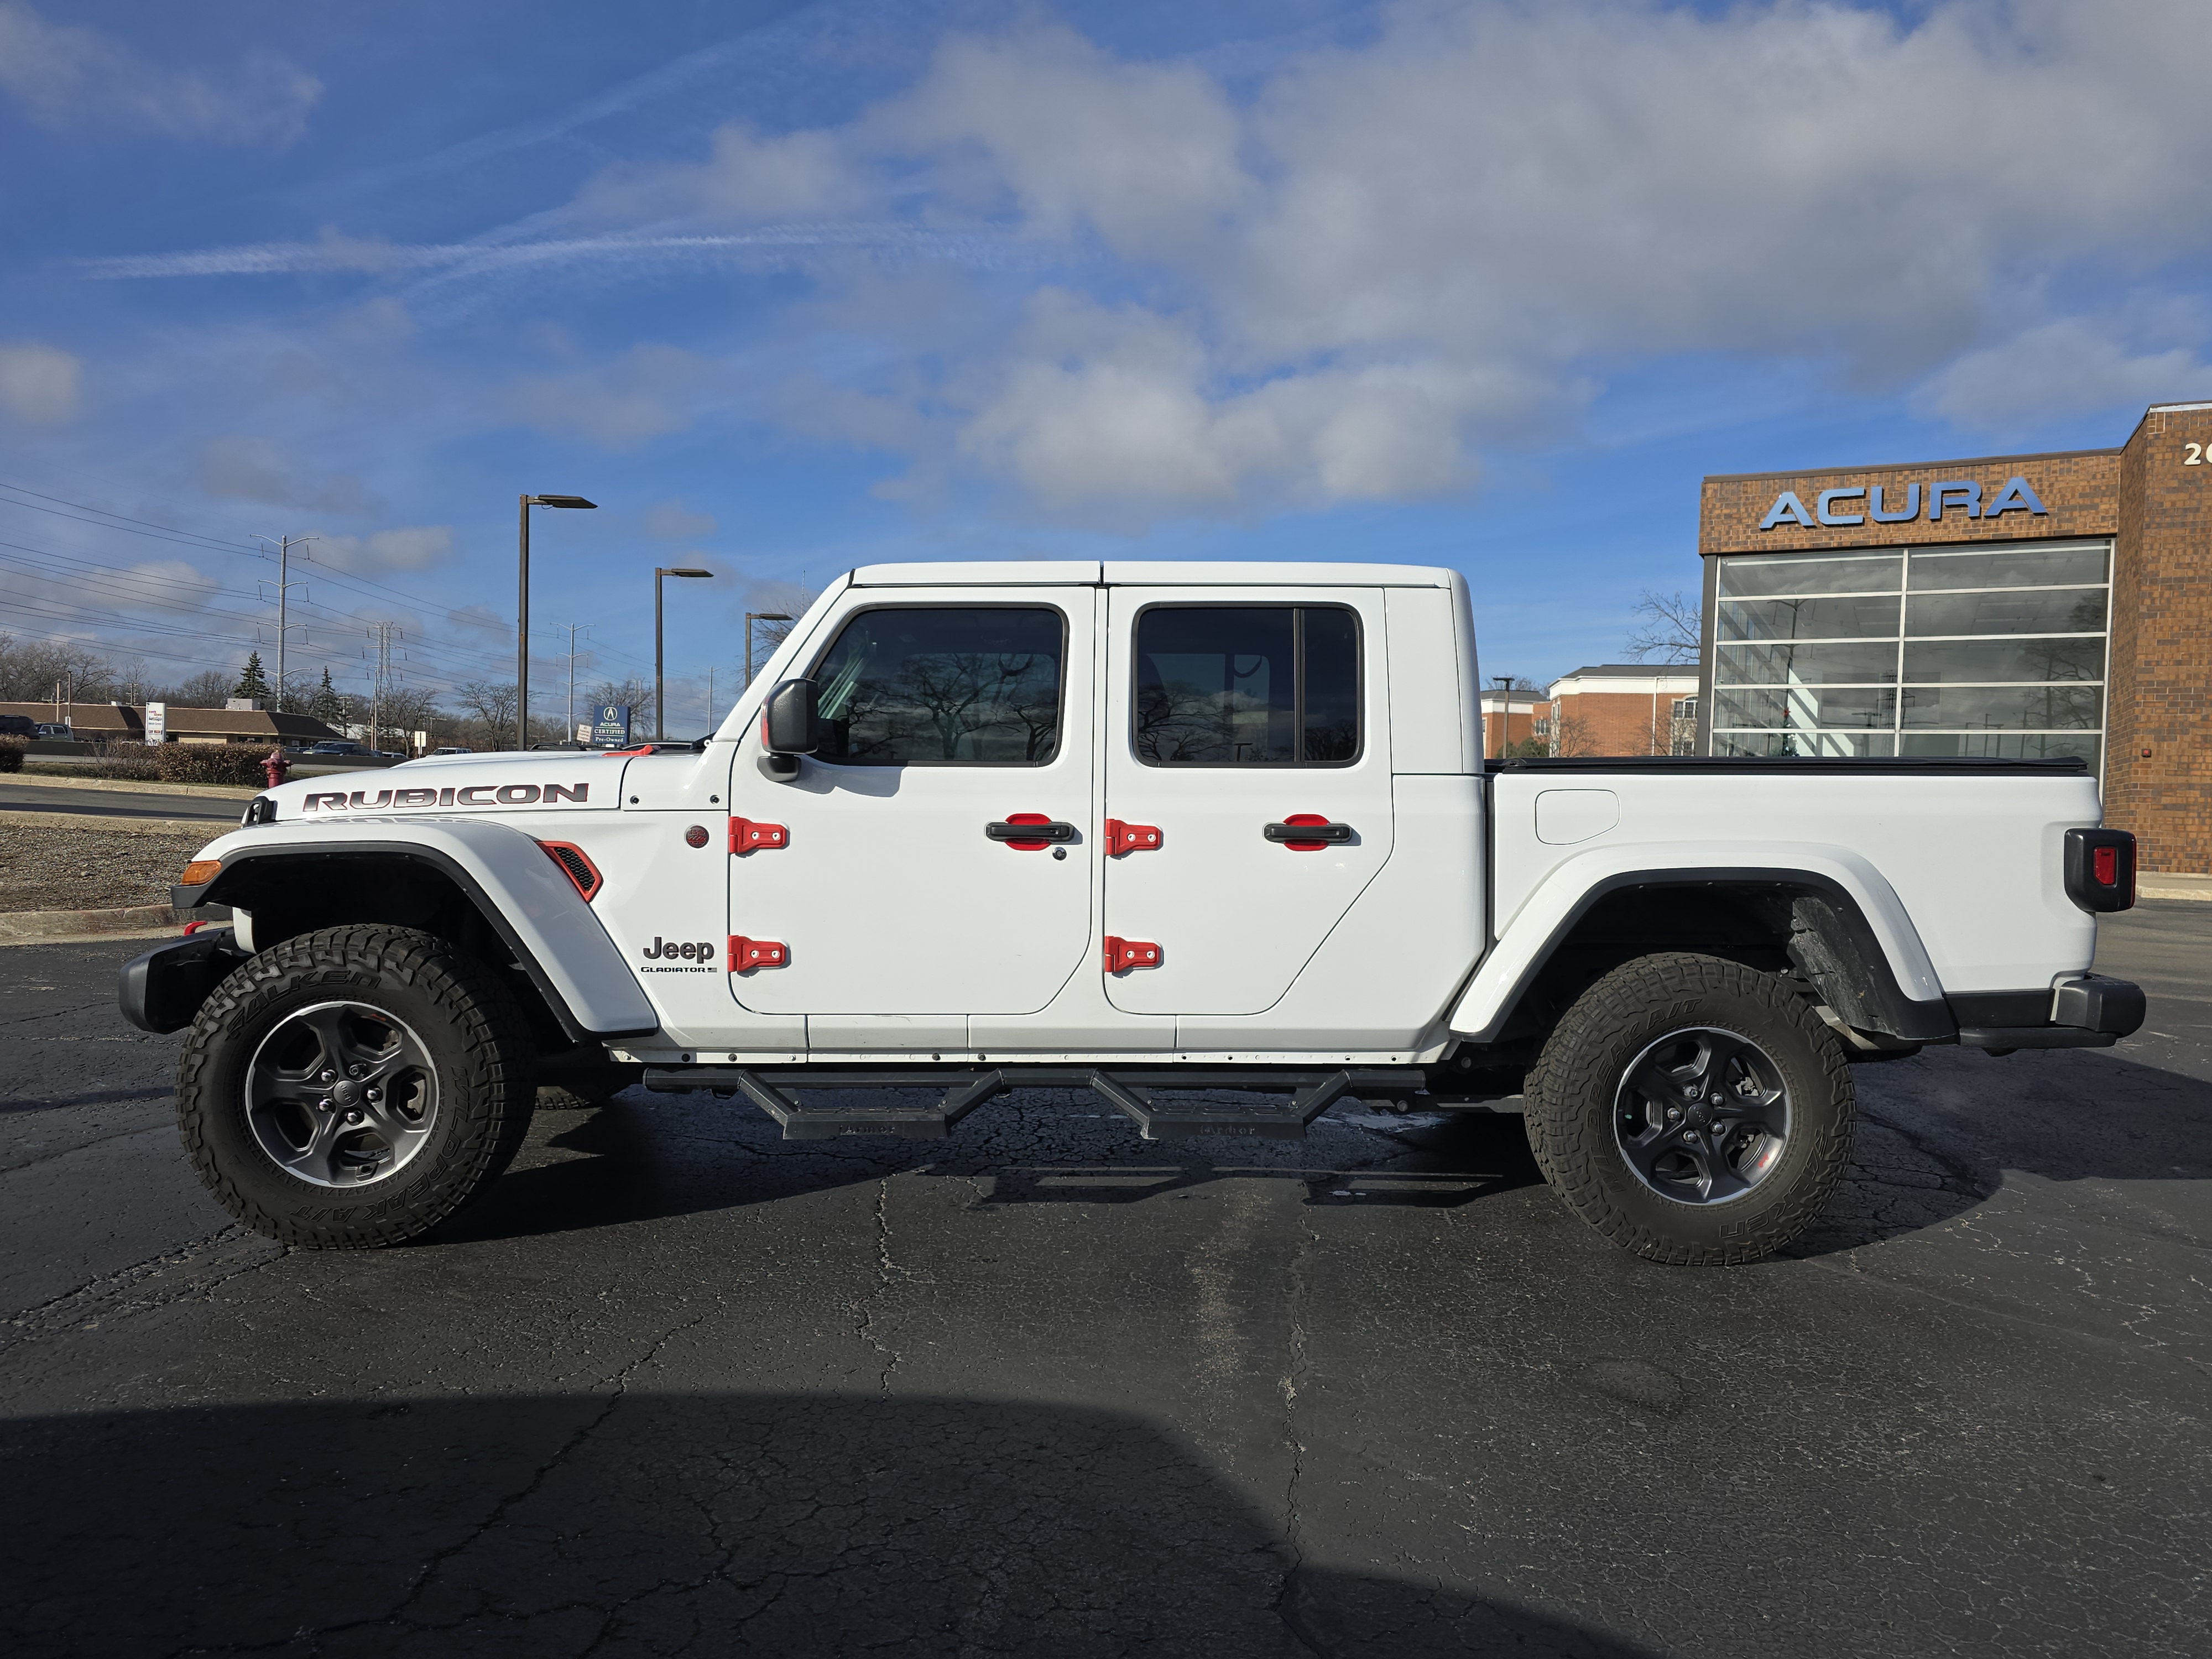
(675, 1386)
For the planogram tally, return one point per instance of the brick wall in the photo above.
(1618, 722)
(2160, 678)
(2081, 488)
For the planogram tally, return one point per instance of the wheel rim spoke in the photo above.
(1701, 1115)
(342, 1094)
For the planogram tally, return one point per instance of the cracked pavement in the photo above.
(675, 1386)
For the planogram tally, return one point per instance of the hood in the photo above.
(503, 785)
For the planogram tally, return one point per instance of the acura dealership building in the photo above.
(2009, 606)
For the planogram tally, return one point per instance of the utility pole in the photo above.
(569, 732)
(284, 585)
(383, 633)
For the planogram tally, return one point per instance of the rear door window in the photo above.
(944, 685)
(1247, 685)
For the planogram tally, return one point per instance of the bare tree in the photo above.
(489, 706)
(1571, 734)
(1669, 628)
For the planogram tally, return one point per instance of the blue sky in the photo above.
(790, 286)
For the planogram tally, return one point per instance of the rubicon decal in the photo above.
(470, 794)
(682, 956)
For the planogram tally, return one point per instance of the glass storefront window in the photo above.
(1786, 573)
(1995, 662)
(1996, 652)
(2026, 567)
(1809, 618)
(1995, 610)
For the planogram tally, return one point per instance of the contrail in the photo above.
(770, 246)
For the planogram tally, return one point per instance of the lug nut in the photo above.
(330, 1077)
(322, 1105)
(353, 1117)
(353, 1071)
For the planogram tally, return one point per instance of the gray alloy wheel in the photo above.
(1615, 1100)
(1702, 1115)
(341, 1094)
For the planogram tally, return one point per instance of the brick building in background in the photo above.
(1612, 709)
(2011, 606)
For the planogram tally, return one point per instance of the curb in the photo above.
(2174, 887)
(28, 818)
(62, 926)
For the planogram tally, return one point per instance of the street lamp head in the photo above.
(559, 500)
(673, 572)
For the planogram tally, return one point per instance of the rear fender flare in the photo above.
(1904, 996)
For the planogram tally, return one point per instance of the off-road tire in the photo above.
(473, 1026)
(1570, 1100)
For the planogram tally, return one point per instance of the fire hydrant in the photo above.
(276, 767)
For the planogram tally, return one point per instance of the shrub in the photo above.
(210, 763)
(181, 762)
(132, 762)
(11, 755)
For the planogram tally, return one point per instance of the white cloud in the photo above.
(416, 548)
(255, 470)
(2059, 367)
(39, 384)
(1399, 254)
(799, 175)
(640, 396)
(670, 519)
(68, 77)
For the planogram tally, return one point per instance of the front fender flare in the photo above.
(522, 894)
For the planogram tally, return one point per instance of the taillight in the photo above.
(2101, 869)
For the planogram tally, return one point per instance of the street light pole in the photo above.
(1505, 720)
(659, 694)
(522, 613)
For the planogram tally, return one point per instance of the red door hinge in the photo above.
(747, 954)
(1130, 838)
(1123, 954)
(746, 837)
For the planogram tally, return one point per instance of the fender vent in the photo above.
(576, 867)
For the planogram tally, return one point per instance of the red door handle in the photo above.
(1308, 832)
(1030, 832)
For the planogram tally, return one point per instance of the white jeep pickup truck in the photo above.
(1170, 832)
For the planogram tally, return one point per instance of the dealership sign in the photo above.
(1854, 504)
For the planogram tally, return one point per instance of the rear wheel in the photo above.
(353, 1086)
(1691, 1109)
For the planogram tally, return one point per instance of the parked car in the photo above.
(454, 749)
(339, 747)
(1145, 829)
(18, 726)
(60, 733)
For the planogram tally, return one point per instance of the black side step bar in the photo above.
(1129, 1091)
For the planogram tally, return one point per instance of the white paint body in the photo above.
(912, 935)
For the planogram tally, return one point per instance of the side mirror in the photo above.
(789, 727)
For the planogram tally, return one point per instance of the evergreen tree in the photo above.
(252, 683)
(327, 705)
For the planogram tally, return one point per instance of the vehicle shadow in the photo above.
(629, 1522)
(646, 1156)
(1937, 1134)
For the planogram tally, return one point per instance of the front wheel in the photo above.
(1693, 1109)
(353, 1086)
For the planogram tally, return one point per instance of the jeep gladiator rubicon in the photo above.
(1169, 832)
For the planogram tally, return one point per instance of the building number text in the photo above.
(2194, 454)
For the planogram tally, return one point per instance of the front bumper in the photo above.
(2089, 1011)
(161, 991)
